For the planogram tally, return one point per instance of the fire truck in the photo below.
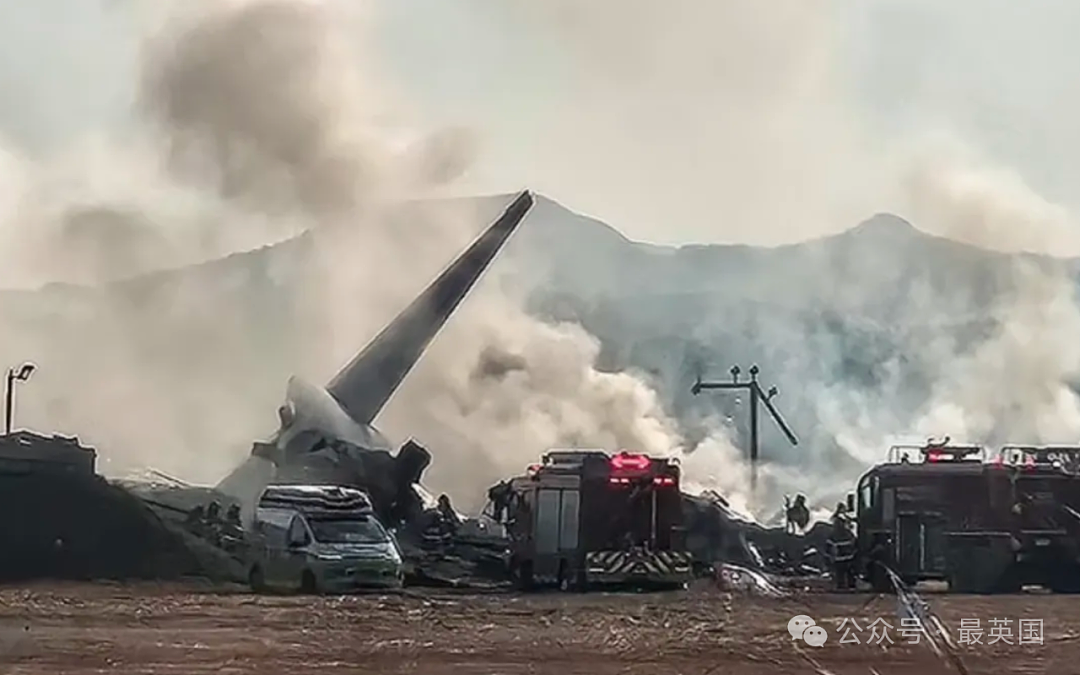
(1034, 492)
(906, 507)
(944, 512)
(584, 518)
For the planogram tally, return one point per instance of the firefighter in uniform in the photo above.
(450, 520)
(233, 530)
(842, 549)
(213, 524)
(798, 515)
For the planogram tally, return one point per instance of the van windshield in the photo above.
(351, 531)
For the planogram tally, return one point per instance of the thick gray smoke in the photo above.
(509, 388)
(1016, 385)
(737, 121)
(256, 124)
(254, 121)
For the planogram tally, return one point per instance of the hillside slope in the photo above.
(859, 330)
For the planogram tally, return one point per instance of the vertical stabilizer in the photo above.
(364, 386)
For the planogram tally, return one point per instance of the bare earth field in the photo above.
(92, 628)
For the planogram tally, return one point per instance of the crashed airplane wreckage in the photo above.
(326, 435)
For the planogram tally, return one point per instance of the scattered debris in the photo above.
(938, 637)
(734, 578)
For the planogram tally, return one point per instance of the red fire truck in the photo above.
(583, 518)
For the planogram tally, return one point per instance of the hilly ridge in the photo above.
(856, 329)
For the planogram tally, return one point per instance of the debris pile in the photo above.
(442, 548)
(716, 534)
(734, 578)
(70, 526)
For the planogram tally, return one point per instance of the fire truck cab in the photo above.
(906, 507)
(944, 512)
(583, 518)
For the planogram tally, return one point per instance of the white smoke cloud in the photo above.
(1015, 386)
(739, 121)
(256, 123)
(257, 120)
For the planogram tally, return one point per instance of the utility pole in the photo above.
(757, 396)
(13, 376)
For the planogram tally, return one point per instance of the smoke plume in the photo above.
(256, 124)
(743, 121)
(253, 122)
(1015, 386)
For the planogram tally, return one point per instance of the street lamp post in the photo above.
(13, 376)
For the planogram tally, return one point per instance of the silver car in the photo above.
(332, 553)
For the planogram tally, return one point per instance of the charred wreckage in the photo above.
(326, 502)
(631, 522)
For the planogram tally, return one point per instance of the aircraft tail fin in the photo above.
(364, 386)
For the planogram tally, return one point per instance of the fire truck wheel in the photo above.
(1066, 581)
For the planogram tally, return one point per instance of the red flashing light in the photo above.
(934, 456)
(664, 480)
(619, 481)
(625, 460)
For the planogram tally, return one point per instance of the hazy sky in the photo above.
(842, 84)
(682, 120)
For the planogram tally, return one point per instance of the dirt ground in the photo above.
(93, 628)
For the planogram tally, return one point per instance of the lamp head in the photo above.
(25, 371)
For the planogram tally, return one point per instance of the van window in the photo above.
(349, 531)
(298, 534)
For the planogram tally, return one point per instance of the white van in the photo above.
(311, 544)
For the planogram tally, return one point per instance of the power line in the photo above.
(757, 396)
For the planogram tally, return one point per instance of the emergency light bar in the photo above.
(1030, 456)
(659, 480)
(937, 453)
(950, 454)
(625, 460)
